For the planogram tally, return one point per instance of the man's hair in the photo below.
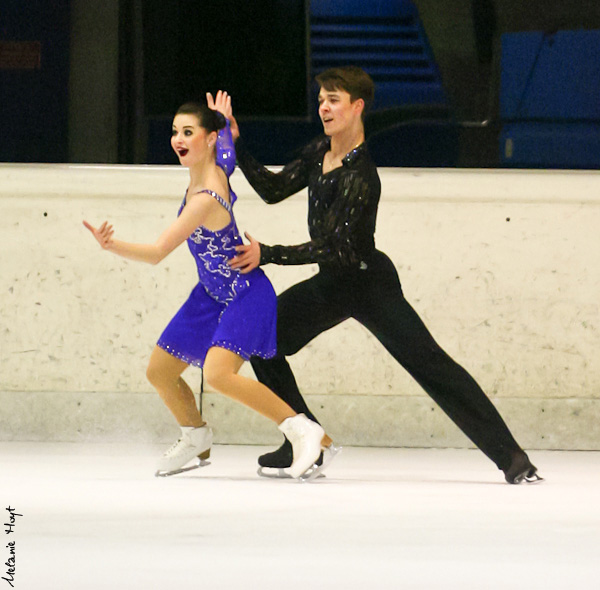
(353, 80)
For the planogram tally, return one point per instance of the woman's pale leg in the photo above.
(164, 373)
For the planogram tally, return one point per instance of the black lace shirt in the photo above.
(342, 204)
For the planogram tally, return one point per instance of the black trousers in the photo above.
(373, 296)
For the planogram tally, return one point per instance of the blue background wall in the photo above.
(550, 99)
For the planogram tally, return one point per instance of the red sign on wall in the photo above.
(20, 55)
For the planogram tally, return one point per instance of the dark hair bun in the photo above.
(220, 120)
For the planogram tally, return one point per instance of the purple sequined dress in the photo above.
(226, 308)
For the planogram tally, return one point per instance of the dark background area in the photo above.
(255, 50)
(34, 96)
(111, 72)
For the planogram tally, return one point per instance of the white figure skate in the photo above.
(305, 437)
(193, 444)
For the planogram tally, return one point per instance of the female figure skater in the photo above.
(228, 317)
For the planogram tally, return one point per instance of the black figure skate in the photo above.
(521, 469)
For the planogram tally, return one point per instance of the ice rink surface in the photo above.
(93, 516)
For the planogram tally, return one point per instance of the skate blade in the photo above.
(535, 478)
(315, 471)
(279, 474)
(526, 478)
(200, 463)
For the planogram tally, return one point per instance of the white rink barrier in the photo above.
(503, 267)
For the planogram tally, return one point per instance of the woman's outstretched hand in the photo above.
(222, 103)
(103, 234)
(248, 257)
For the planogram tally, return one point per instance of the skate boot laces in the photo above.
(191, 445)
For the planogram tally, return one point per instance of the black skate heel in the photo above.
(522, 470)
(276, 461)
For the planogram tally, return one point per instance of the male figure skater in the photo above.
(355, 279)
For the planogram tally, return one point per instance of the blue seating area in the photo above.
(550, 100)
(383, 37)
